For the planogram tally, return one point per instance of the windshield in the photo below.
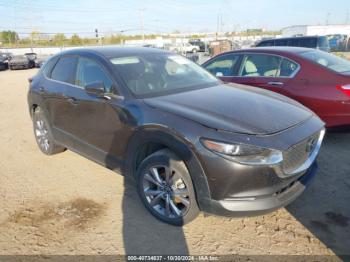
(329, 61)
(156, 74)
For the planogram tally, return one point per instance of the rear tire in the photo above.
(43, 134)
(165, 188)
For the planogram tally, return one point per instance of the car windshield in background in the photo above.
(156, 74)
(329, 61)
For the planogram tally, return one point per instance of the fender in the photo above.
(181, 147)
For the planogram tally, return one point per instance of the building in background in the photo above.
(311, 30)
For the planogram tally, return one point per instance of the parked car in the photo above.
(199, 43)
(3, 64)
(184, 48)
(20, 62)
(337, 42)
(40, 60)
(316, 42)
(318, 80)
(5, 58)
(31, 57)
(191, 142)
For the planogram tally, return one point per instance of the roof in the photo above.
(279, 49)
(114, 51)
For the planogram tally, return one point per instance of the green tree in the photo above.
(59, 39)
(75, 40)
(8, 37)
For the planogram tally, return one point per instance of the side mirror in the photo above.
(219, 74)
(95, 88)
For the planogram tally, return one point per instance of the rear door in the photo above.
(271, 72)
(58, 103)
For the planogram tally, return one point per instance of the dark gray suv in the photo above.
(191, 142)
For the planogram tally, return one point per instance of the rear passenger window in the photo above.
(288, 68)
(259, 65)
(64, 70)
(47, 67)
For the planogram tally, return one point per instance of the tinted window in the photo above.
(293, 42)
(64, 70)
(223, 65)
(281, 42)
(327, 60)
(308, 42)
(266, 43)
(47, 67)
(288, 68)
(89, 72)
(259, 65)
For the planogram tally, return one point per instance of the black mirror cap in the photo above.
(95, 88)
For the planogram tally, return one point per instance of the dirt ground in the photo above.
(66, 204)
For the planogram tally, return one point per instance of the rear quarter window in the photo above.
(48, 65)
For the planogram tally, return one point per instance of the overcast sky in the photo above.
(83, 16)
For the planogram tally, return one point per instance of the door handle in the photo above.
(41, 90)
(275, 83)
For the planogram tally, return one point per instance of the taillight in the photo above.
(344, 88)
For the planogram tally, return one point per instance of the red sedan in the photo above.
(318, 80)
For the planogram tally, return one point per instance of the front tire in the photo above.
(165, 187)
(43, 134)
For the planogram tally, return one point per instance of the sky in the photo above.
(166, 16)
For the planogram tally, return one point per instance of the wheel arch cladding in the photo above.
(161, 138)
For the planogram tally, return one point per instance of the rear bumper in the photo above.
(19, 66)
(257, 205)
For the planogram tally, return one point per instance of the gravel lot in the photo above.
(66, 204)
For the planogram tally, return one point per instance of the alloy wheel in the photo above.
(41, 134)
(166, 191)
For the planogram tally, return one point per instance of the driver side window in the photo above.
(89, 71)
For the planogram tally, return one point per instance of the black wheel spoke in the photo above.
(156, 200)
(174, 208)
(167, 206)
(151, 192)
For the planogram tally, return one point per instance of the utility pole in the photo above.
(327, 19)
(142, 10)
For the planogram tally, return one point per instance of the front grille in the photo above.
(297, 155)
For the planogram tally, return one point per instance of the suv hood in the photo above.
(235, 108)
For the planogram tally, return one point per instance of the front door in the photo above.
(96, 124)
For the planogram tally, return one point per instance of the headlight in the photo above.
(245, 154)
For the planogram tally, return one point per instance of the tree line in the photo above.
(12, 39)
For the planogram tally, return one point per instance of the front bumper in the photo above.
(261, 204)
